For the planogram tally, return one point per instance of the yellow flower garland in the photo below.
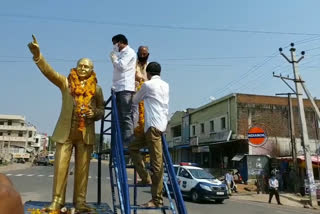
(82, 95)
(38, 211)
(139, 130)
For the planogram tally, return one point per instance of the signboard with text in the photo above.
(194, 141)
(257, 136)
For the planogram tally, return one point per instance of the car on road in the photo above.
(51, 158)
(43, 161)
(198, 184)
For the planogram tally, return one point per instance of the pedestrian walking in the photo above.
(229, 179)
(273, 188)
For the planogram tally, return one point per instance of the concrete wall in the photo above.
(271, 114)
(175, 120)
(279, 146)
(214, 112)
(242, 111)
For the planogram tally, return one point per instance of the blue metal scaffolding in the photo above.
(118, 172)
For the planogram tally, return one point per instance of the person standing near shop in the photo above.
(273, 188)
(229, 179)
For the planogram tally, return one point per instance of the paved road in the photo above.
(35, 183)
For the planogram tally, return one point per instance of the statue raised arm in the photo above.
(34, 48)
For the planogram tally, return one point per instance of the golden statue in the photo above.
(82, 105)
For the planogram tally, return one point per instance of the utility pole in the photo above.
(305, 137)
(293, 142)
(293, 139)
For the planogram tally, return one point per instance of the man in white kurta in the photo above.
(155, 94)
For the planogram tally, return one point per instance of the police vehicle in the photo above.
(198, 184)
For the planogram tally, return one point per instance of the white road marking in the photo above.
(51, 176)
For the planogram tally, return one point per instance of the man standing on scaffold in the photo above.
(155, 94)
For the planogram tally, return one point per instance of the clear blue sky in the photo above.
(206, 48)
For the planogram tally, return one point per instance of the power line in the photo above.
(165, 59)
(251, 70)
(105, 61)
(307, 40)
(312, 49)
(254, 84)
(276, 68)
(256, 80)
(169, 27)
(254, 68)
(11, 61)
(197, 65)
(214, 58)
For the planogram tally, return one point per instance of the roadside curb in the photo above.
(300, 200)
(290, 198)
(14, 166)
(244, 194)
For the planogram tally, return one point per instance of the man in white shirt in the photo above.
(273, 187)
(155, 94)
(123, 59)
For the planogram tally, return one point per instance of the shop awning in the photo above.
(315, 159)
(29, 150)
(238, 157)
(182, 146)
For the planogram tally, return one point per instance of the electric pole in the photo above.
(305, 137)
(292, 137)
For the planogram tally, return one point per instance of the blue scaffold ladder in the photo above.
(118, 169)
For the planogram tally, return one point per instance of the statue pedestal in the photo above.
(102, 208)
